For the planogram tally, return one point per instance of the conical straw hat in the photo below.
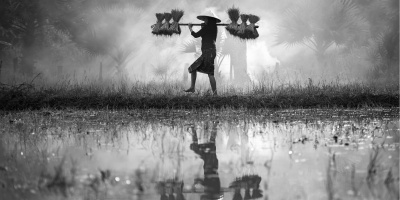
(210, 14)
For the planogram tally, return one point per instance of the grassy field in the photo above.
(159, 95)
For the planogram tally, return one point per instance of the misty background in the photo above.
(76, 40)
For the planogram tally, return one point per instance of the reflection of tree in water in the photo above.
(162, 139)
(169, 184)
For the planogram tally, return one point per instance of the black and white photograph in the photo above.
(199, 100)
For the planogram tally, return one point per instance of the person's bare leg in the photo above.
(193, 76)
(213, 84)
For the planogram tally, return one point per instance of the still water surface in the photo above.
(164, 154)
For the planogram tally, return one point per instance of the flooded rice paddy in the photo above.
(180, 154)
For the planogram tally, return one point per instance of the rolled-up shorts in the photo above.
(205, 63)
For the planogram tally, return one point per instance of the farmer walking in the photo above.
(205, 63)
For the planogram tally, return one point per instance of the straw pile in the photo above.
(165, 27)
(156, 27)
(233, 14)
(242, 27)
(251, 31)
(176, 16)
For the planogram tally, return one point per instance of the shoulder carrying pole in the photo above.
(186, 24)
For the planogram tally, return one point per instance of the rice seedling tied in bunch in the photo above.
(251, 31)
(176, 17)
(242, 31)
(156, 27)
(233, 14)
(165, 27)
(242, 27)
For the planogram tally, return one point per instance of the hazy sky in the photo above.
(154, 51)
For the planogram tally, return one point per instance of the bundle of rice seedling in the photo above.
(176, 16)
(251, 30)
(242, 27)
(156, 27)
(165, 27)
(257, 193)
(234, 14)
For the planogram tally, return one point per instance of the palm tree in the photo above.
(162, 68)
(22, 23)
(319, 25)
(384, 45)
(237, 51)
(190, 47)
(28, 27)
(100, 27)
(105, 30)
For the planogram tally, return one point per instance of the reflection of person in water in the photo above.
(207, 152)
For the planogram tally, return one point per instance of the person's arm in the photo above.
(194, 34)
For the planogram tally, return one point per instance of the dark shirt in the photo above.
(208, 34)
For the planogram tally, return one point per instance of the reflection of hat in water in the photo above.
(208, 14)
